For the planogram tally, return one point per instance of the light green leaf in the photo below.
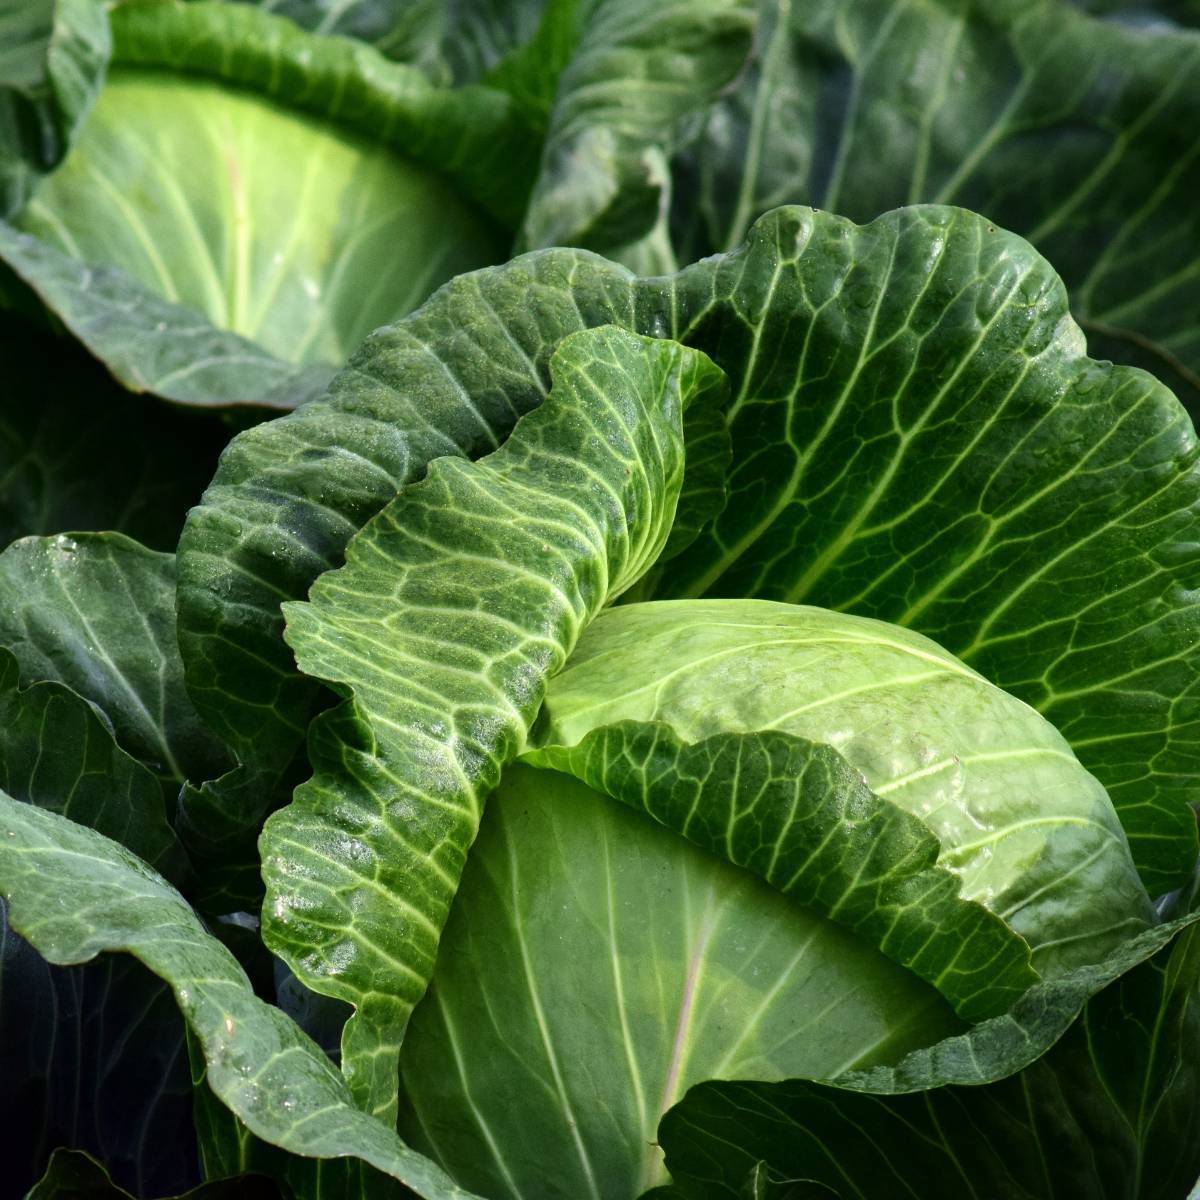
(86, 454)
(1109, 1112)
(274, 225)
(74, 894)
(1068, 129)
(289, 495)
(160, 244)
(58, 753)
(96, 611)
(798, 815)
(456, 604)
(153, 345)
(623, 965)
(472, 135)
(1029, 833)
(52, 59)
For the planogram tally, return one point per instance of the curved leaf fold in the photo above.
(96, 612)
(1109, 1111)
(289, 495)
(633, 74)
(58, 753)
(1067, 129)
(456, 604)
(52, 60)
(797, 814)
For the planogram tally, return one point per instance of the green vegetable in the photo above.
(622, 730)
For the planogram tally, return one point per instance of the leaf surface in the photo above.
(95, 611)
(456, 604)
(74, 894)
(1070, 130)
(1110, 1111)
(917, 436)
(623, 966)
(52, 59)
(633, 74)
(1015, 821)
(798, 815)
(57, 753)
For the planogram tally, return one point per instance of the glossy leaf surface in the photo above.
(917, 437)
(1068, 129)
(456, 604)
(96, 612)
(52, 59)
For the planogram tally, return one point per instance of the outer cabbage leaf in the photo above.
(58, 753)
(408, 31)
(1110, 1111)
(95, 611)
(622, 966)
(456, 603)
(150, 344)
(1068, 129)
(74, 894)
(917, 436)
(52, 59)
(1031, 836)
(940, 454)
(87, 455)
(631, 73)
(289, 495)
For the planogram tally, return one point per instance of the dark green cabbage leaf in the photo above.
(918, 436)
(1072, 130)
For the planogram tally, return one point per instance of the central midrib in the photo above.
(652, 1163)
